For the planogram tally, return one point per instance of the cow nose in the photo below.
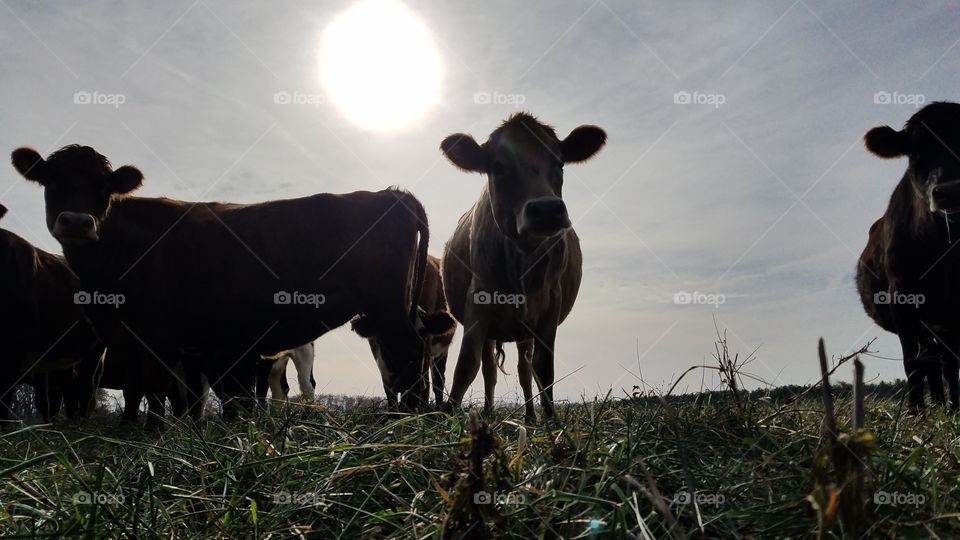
(73, 225)
(545, 215)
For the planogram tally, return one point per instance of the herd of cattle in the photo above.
(164, 299)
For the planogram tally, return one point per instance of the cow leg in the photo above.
(8, 380)
(132, 397)
(84, 388)
(525, 373)
(42, 395)
(122, 358)
(392, 404)
(489, 376)
(468, 361)
(156, 384)
(951, 367)
(438, 375)
(908, 330)
(196, 392)
(237, 384)
(304, 365)
(57, 393)
(951, 370)
(177, 391)
(277, 375)
(934, 370)
(154, 377)
(543, 367)
(264, 380)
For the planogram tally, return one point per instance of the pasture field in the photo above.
(617, 468)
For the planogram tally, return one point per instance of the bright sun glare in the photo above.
(380, 66)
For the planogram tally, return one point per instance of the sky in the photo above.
(734, 166)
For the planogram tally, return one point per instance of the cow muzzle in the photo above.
(75, 228)
(945, 197)
(544, 216)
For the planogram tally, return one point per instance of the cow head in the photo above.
(402, 374)
(931, 141)
(79, 185)
(523, 160)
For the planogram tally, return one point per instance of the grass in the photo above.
(616, 468)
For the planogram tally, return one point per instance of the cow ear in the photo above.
(363, 326)
(464, 152)
(438, 323)
(582, 143)
(886, 142)
(125, 179)
(29, 163)
(3, 211)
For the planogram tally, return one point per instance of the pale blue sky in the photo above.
(683, 198)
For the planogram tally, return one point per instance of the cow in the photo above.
(435, 326)
(47, 340)
(512, 268)
(261, 277)
(906, 275)
(272, 373)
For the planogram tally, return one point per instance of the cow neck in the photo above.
(82, 260)
(528, 263)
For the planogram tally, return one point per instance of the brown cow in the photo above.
(907, 273)
(259, 277)
(512, 268)
(47, 340)
(435, 326)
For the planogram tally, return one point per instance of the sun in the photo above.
(380, 66)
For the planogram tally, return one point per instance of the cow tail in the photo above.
(500, 356)
(421, 254)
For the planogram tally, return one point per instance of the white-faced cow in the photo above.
(47, 341)
(908, 273)
(435, 326)
(260, 277)
(512, 268)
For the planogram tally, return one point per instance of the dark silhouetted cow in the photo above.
(259, 278)
(512, 268)
(47, 341)
(907, 274)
